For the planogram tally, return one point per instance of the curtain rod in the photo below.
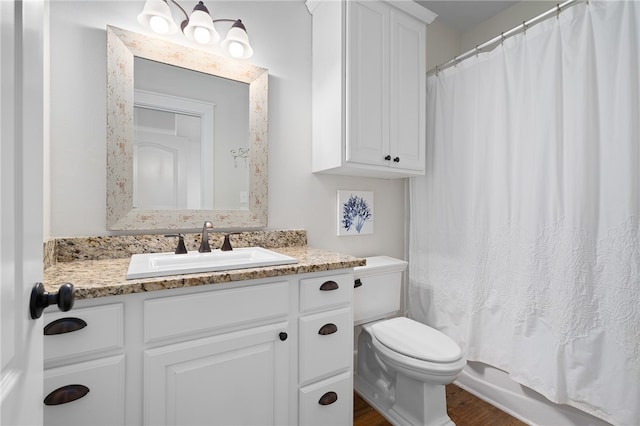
(491, 43)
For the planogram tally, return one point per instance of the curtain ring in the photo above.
(524, 26)
(502, 38)
(559, 9)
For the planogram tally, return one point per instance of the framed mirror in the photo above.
(236, 164)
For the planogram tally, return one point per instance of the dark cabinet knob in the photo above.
(283, 336)
(40, 299)
(328, 398)
(329, 285)
(357, 283)
(64, 325)
(66, 394)
(387, 157)
(396, 160)
(328, 329)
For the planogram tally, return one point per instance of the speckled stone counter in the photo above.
(107, 277)
(123, 246)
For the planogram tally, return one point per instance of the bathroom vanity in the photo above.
(256, 346)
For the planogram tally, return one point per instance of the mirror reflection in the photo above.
(191, 139)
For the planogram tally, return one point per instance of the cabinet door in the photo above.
(407, 92)
(326, 403)
(326, 344)
(238, 378)
(367, 82)
(103, 404)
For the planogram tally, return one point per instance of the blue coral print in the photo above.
(355, 212)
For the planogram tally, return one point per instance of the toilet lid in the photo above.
(411, 338)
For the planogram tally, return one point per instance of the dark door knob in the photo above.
(40, 299)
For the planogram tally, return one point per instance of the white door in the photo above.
(238, 378)
(408, 92)
(368, 83)
(21, 209)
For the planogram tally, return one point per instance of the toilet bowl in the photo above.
(402, 365)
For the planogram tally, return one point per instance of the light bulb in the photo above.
(201, 35)
(236, 49)
(159, 25)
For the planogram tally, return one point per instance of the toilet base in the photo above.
(418, 403)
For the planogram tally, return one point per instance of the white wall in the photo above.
(280, 33)
(443, 43)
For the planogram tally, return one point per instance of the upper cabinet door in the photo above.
(407, 92)
(367, 82)
(369, 87)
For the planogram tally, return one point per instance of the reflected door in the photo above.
(172, 164)
(160, 172)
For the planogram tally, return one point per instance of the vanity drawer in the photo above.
(101, 329)
(328, 291)
(103, 404)
(326, 344)
(201, 312)
(329, 402)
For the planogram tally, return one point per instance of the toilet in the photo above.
(401, 366)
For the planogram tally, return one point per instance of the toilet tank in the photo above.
(378, 288)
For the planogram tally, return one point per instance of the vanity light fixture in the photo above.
(199, 27)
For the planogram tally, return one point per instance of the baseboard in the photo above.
(494, 386)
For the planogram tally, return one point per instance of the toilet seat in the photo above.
(415, 340)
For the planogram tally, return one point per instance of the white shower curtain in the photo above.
(524, 233)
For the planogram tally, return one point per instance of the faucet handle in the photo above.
(226, 245)
(181, 249)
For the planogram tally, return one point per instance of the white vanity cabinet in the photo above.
(326, 350)
(369, 87)
(84, 376)
(237, 375)
(248, 352)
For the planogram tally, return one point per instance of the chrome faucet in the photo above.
(204, 244)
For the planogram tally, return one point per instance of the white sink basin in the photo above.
(151, 265)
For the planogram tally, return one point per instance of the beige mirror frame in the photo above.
(122, 47)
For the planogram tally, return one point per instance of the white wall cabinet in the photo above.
(369, 87)
(241, 353)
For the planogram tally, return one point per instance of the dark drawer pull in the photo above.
(329, 285)
(328, 329)
(328, 398)
(66, 394)
(64, 325)
(357, 283)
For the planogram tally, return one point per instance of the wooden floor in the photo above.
(464, 410)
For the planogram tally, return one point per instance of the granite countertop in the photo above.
(107, 277)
